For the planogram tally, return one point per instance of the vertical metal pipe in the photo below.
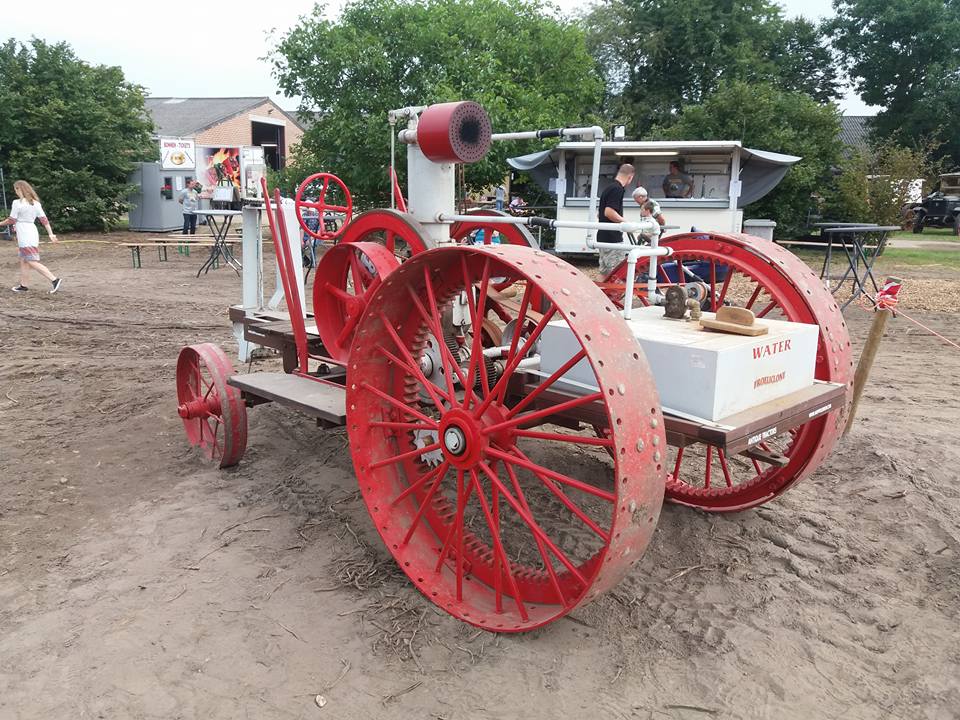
(594, 182)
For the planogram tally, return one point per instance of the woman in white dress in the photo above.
(24, 213)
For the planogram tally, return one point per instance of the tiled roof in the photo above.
(855, 131)
(184, 117)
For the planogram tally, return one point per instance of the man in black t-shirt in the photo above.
(611, 210)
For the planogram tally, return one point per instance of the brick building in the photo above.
(228, 122)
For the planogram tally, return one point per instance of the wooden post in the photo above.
(866, 361)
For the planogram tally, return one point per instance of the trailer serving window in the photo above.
(710, 173)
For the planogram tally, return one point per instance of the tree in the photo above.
(72, 130)
(902, 55)
(763, 116)
(659, 56)
(875, 184)
(527, 67)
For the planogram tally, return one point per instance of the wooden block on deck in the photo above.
(316, 399)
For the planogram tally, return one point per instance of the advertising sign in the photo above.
(218, 166)
(177, 154)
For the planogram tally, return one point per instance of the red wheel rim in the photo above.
(775, 284)
(540, 542)
(346, 278)
(329, 183)
(398, 231)
(213, 413)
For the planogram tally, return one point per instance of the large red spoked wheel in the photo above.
(498, 514)
(398, 231)
(347, 276)
(750, 272)
(509, 234)
(332, 199)
(213, 413)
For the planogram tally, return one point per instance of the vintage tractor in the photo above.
(514, 425)
(940, 208)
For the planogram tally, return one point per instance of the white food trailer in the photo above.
(725, 176)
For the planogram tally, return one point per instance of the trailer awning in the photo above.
(760, 171)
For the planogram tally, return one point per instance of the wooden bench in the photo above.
(161, 244)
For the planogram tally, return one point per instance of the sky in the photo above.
(197, 50)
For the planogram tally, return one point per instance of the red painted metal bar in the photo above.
(281, 247)
(397, 192)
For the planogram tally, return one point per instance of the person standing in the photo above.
(677, 183)
(640, 197)
(611, 211)
(24, 213)
(500, 194)
(190, 199)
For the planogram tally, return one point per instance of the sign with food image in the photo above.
(177, 154)
(218, 166)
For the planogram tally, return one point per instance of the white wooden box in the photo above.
(708, 375)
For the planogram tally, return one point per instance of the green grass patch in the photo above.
(911, 256)
(931, 234)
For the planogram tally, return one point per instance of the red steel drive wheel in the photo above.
(213, 413)
(398, 231)
(750, 272)
(500, 506)
(347, 276)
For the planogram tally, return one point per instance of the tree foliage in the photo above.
(766, 117)
(659, 56)
(524, 64)
(70, 129)
(904, 55)
(875, 184)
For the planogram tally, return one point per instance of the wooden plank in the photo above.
(512, 304)
(321, 400)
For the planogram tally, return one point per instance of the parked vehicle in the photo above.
(940, 208)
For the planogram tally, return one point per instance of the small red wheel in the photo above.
(214, 414)
(347, 275)
(471, 483)
(398, 231)
(750, 272)
(320, 185)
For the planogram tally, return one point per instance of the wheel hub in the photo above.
(454, 441)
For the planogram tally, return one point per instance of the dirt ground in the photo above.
(138, 582)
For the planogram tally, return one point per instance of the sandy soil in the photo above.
(138, 582)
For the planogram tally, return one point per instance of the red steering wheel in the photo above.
(322, 206)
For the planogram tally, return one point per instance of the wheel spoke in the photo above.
(534, 527)
(723, 466)
(356, 274)
(726, 286)
(706, 477)
(401, 425)
(575, 439)
(753, 298)
(399, 404)
(559, 373)
(676, 467)
(544, 413)
(559, 477)
(349, 325)
(416, 452)
(451, 366)
(565, 499)
(713, 285)
(412, 365)
(514, 360)
(476, 308)
(423, 506)
(415, 372)
(497, 543)
(547, 563)
(767, 309)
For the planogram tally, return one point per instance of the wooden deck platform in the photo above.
(322, 400)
